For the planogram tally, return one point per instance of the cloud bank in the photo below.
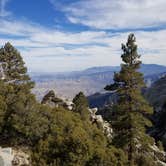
(117, 14)
(49, 49)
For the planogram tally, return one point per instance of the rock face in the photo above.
(13, 157)
(159, 155)
(53, 101)
(6, 156)
(20, 158)
(98, 119)
(2, 75)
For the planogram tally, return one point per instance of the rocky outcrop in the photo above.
(6, 157)
(2, 74)
(98, 119)
(13, 157)
(159, 155)
(160, 163)
(53, 101)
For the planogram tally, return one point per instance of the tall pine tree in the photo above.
(132, 109)
(15, 88)
(13, 66)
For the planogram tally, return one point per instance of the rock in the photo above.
(13, 157)
(160, 163)
(53, 101)
(20, 158)
(98, 119)
(69, 104)
(107, 129)
(2, 75)
(159, 155)
(6, 156)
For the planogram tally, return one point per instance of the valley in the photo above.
(89, 81)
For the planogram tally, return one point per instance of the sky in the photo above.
(67, 35)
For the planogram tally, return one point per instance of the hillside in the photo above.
(156, 94)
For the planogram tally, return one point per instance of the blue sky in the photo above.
(65, 35)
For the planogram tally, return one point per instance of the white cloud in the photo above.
(151, 45)
(60, 59)
(56, 37)
(46, 49)
(117, 14)
(37, 33)
(19, 28)
(3, 11)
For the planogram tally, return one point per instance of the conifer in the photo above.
(81, 105)
(13, 66)
(132, 109)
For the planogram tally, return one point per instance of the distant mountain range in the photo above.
(90, 81)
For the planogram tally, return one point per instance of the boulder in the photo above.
(98, 119)
(13, 157)
(53, 101)
(6, 156)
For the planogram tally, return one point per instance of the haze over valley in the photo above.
(89, 81)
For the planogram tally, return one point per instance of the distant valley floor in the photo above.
(89, 81)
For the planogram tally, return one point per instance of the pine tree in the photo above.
(17, 88)
(132, 109)
(13, 66)
(81, 105)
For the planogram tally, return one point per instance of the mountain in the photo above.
(156, 94)
(90, 81)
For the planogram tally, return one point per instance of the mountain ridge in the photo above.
(96, 69)
(89, 81)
